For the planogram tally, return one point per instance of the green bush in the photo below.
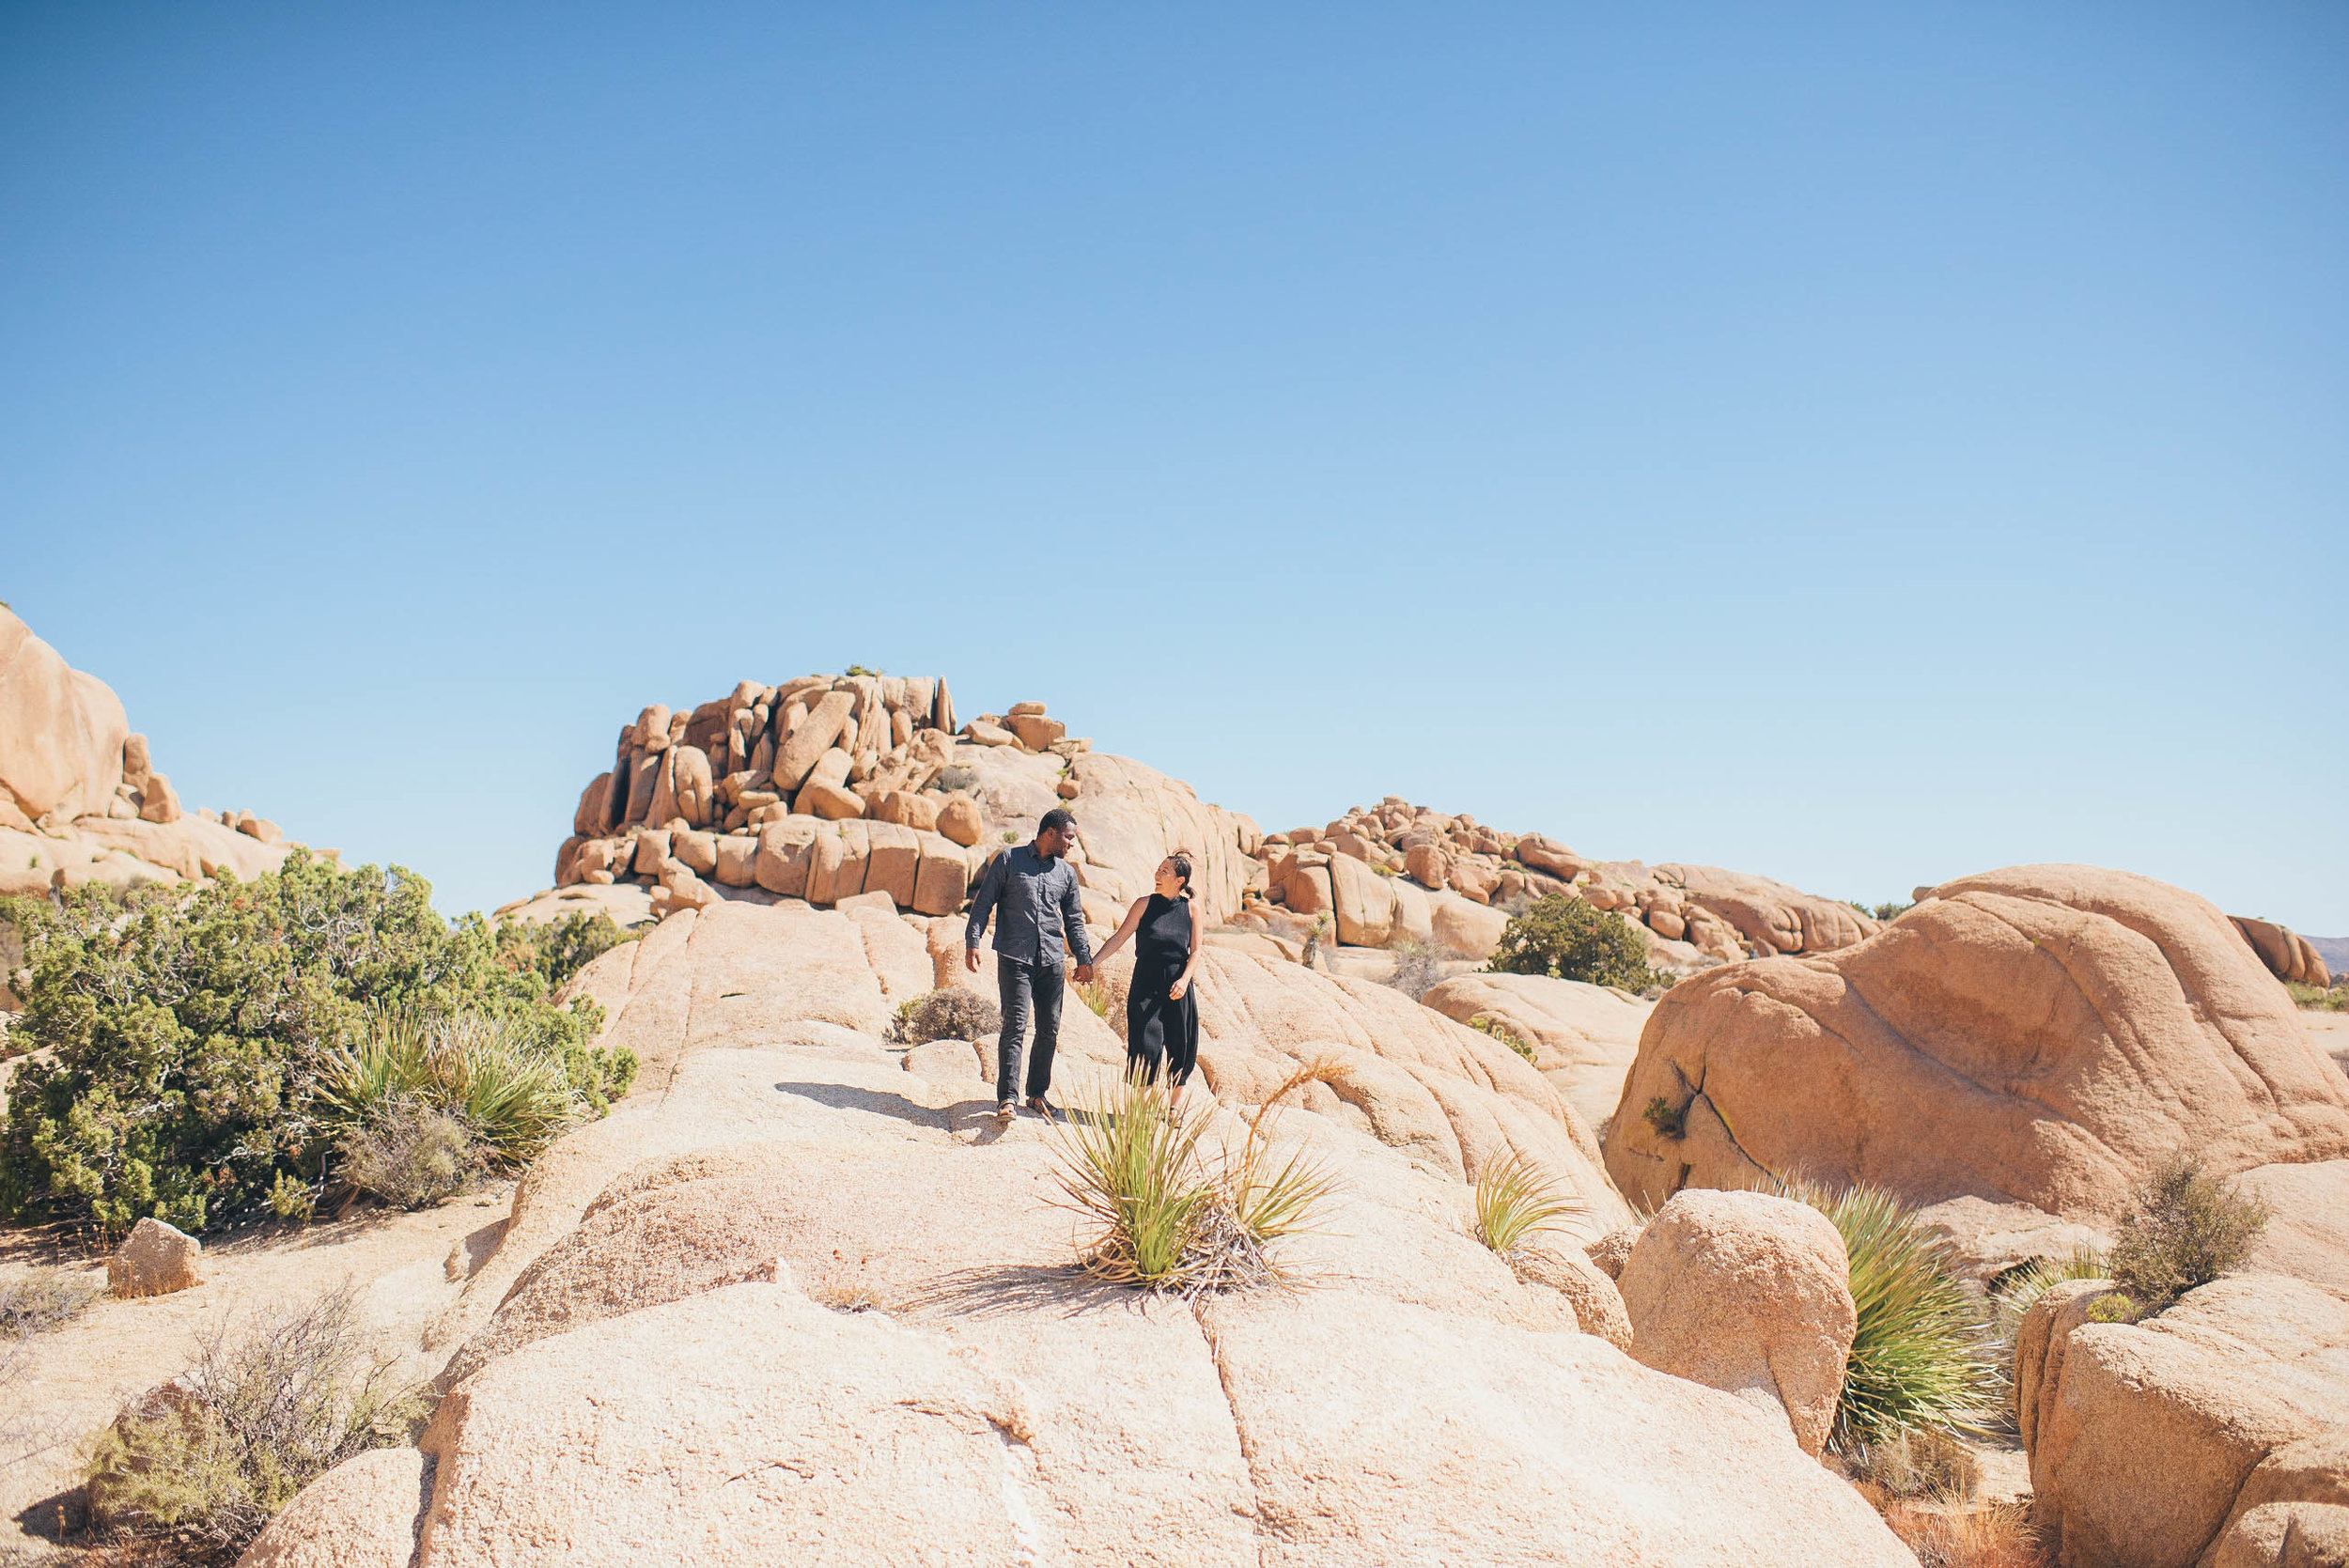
(1920, 1356)
(1565, 938)
(1515, 1200)
(192, 1029)
(1486, 1024)
(2317, 999)
(410, 1152)
(557, 950)
(200, 1467)
(2186, 1229)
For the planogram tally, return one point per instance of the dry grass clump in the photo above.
(1925, 1463)
(410, 1153)
(1164, 1215)
(1996, 1537)
(199, 1466)
(2187, 1228)
(44, 1299)
(1516, 1201)
(949, 1013)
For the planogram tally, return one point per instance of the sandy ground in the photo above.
(407, 1267)
(2332, 1031)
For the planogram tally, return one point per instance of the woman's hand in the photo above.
(1182, 983)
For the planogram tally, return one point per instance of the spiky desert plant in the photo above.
(1132, 1169)
(1921, 1355)
(2014, 1292)
(1516, 1201)
(1161, 1217)
(1271, 1201)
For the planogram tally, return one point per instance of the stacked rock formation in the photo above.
(1372, 872)
(826, 788)
(79, 798)
(2288, 954)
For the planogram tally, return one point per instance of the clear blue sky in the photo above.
(1859, 444)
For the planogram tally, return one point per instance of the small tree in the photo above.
(1565, 939)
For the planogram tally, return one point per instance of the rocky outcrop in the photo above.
(797, 1298)
(1692, 916)
(2287, 955)
(2042, 1036)
(2213, 1435)
(1583, 1037)
(79, 799)
(825, 787)
(1749, 1293)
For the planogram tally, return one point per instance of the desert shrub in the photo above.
(188, 1027)
(1515, 1202)
(2317, 999)
(1667, 1118)
(409, 1153)
(1314, 941)
(44, 1299)
(1565, 938)
(1417, 969)
(267, 1408)
(1921, 1355)
(557, 950)
(1882, 913)
(949, 1013)
(1485, 1023)
(2115, 1307)
(1163, 1216)
(2186, 1229)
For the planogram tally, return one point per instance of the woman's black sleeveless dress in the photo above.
(1158, 1028)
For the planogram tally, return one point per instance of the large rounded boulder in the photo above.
(2044, 1034)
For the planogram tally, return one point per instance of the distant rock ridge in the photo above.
(831, 787)
(81, 799)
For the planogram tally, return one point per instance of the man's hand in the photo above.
(1085, 974)
(970, 959)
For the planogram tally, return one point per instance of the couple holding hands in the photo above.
(1031, 890)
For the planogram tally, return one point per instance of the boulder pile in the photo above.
(2288, 954)
(1397, 871)
(826, 788)
(81, 799)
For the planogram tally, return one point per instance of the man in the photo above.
(1031, 891)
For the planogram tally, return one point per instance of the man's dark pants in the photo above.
(1021, 985)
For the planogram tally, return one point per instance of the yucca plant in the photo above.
(516, 1100)
(1133, 1169)
(1162, 1218)
(2015, 1292)
(1921, 1355)
(1516, 1201)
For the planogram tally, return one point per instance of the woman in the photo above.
(1162, 1015)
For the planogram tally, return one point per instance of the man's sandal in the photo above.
(1004, 1112)
(1043, 1108)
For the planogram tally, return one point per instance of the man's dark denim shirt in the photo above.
(1034, 903)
